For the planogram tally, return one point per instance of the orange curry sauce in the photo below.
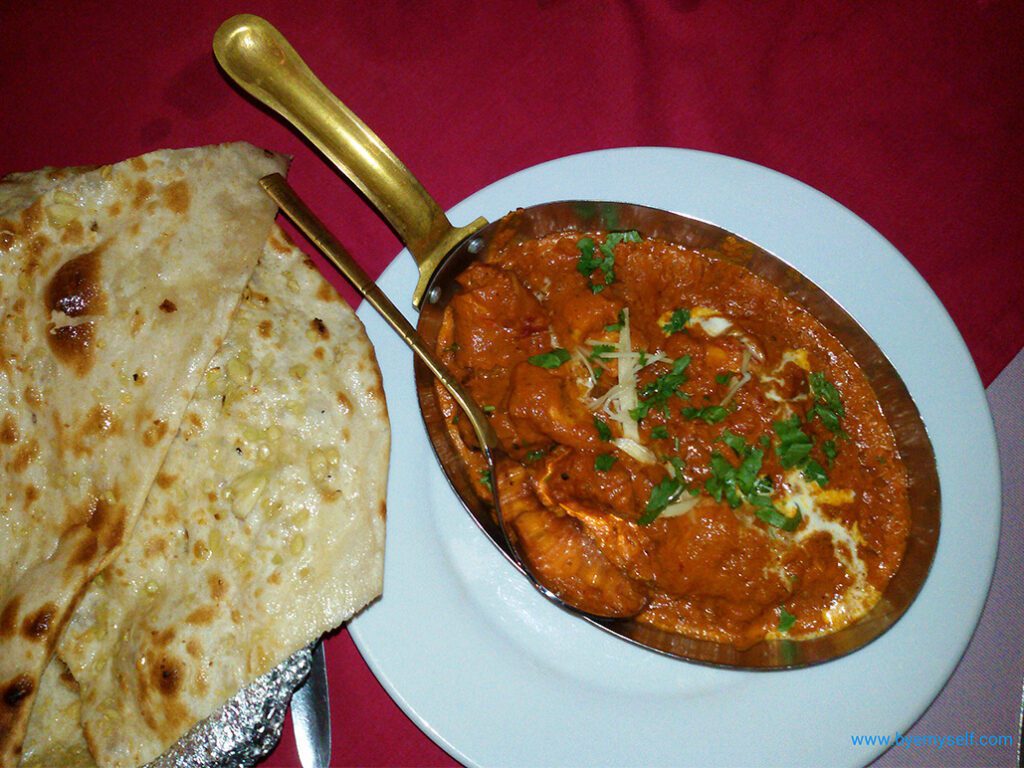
(724, 471)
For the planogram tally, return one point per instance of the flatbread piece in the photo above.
(264, 529)
(116, 287)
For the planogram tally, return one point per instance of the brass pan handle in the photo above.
(257, 57)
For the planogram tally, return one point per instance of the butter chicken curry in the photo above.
(690, 448)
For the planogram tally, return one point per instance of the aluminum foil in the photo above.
(247, 727)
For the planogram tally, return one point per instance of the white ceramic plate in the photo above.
(496, 675)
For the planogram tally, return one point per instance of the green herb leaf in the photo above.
(587, 263)
(723, 378)
(485, 478)
(603, 462)
(660, 432)
(663, 494)
(677, 322)
(746, 472)
(794, 450)
(773, 517)
(487, 408)
(604, 258)
(794, 446)
(536, 455)
(677, 465)
(828, 405)
(657, 392)
(826, 392)
(734, 441)
(814, 472)
(604, 432)
(711, 414)
(721, 483)
(829, 449)
(551, 359)
(617, 326)
(786, 620)
(600, 350)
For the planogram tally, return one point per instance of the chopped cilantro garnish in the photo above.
(775, 518)
(617, 326)
(737, 484)
(603, 462)
(536, 455)
(786, 620)
(794, 450)
(723, 378)
(551, 359)
(827, 404)
(677, 322)
(829, 449)
(814, 472)
(600, 350)
(604, 260)
(663, 494)
(657, 393)
(487, 408)
(730, 481)
(677, 465)
(588, 262)
(794, 446)
(485, 478)
(603, 430)
(711, 414)
(734, 441)
(660, 432)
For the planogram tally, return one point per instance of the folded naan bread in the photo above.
(54, 737)
(264, 529)
(116, 287)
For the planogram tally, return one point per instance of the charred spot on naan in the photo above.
(9, 616)
(99, 525)
(143, 189)
(74, 289)
(25, 456)
(15, 695)
(154, 433)
(74, 345)
(202, 615)
(100, 423)
(177, 197)
(9, 430)
(319, 329)
(36, 626)
(73, 233)
(218, 586)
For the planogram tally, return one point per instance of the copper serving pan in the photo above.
(262, 62)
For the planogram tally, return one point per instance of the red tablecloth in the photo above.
(908, 113)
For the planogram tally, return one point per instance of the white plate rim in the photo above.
(477, 660)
